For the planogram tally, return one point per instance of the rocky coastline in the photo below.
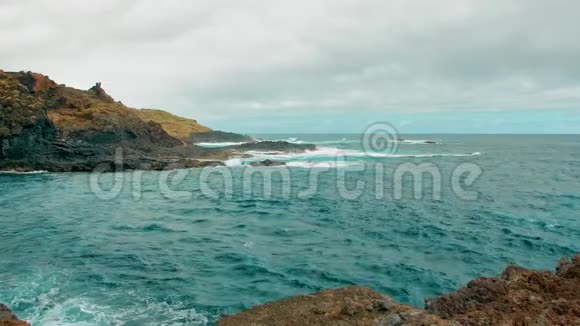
(52, 127)
(517, 297)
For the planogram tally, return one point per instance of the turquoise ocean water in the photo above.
(167, 254)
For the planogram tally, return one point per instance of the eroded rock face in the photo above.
(52, 127)
(517, 297)
(8, 318)
(33, 81)
(345, 306)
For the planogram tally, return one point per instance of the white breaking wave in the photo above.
(330, 152)
(224, 144)
(67, 313)
(340, 141)
(328, 142)
(325, 157)
(321, 165)
(418, 142)
(297, 164)
(18, 172)
(234, 162)
(51, 305)
(294, 140)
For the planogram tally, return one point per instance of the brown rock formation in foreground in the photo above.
(519, 297)
(7, 318)
(346, 306)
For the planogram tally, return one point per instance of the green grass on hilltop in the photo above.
(175, 126)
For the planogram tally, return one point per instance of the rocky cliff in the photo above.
(47, 126)
(517, 297)
(25, 130)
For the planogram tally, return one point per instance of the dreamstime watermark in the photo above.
(379, 176)
(380, 137)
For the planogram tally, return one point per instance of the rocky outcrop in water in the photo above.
(274, 146)
(517, 297)
(268, 163)
(8, 318)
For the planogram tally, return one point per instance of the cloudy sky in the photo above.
(485, 66)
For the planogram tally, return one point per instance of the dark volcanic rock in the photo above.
(268, 163)
(26, 133)
(8, 318)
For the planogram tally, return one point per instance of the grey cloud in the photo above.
(222, 58)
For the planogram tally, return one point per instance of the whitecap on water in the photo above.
(223, 144)
(234, 162)
(321, 165)
(19, 172)
(46, 300)
(326, 157)
(331, 152)
(417, 142)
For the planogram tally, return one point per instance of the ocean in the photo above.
(185, 247)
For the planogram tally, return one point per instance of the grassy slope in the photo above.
(178, 127)
(82, 110)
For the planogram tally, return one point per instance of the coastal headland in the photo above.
(52, 127)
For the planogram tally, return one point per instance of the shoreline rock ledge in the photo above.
(8, 318)
(517, 297)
